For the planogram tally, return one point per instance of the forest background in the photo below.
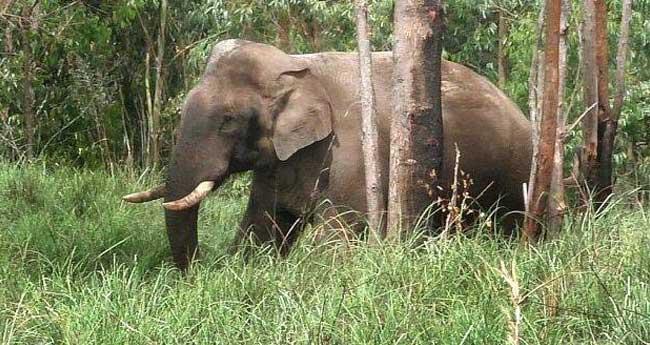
(91, 83)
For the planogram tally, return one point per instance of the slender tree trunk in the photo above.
(589, 154)
(416, 131)
(557, 203)
(283, 25)
(4, 110)
(621, 58)
(128, 160)
(374, 188)
(147, 116)
(8, 32)
(502, 59)
(315, 34)
(101, 136)
(548, 127)
(28, 13)
(154, 134)
(535, 92)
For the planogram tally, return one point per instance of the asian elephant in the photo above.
(294, 120)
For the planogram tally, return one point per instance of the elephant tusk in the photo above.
(199, 193)
(149, 195)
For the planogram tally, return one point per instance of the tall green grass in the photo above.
(77, 266)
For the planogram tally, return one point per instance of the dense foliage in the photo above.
(93, 71)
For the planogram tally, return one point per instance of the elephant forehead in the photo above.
(220, 100)
(223, 48)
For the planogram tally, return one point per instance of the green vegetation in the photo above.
(91, 78)
(78, 266)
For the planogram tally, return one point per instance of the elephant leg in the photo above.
(265, 225)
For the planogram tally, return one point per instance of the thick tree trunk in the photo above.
(607, 117)
(556, 202)
(502, 59)
(602, 182)
(548, 127)
(416, 130)
(589, 152)
(374, 194)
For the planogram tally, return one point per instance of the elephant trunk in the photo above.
(182, 235)
(186, 186)
(182, 222)
(181, 225)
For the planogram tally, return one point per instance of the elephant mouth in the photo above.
(193, 198)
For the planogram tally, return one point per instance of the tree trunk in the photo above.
(374, 189)
(147, 114)
(556, 202)
(8, 39)
(6, 131)
(154, 130)
(535, 86)
(30, 14)
(602, 184)
(588, 159)
(548, 124)
(416, 131)
(621, 58)
(608, 118)
(282, 27)
(502, 60)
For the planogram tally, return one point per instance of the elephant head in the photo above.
(254, 107)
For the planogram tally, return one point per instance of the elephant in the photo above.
(294, 121)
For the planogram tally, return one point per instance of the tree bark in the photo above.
(621, 58)
(535, 92)
(148, 110)
(502, 59)
(602, 183)
(416, 130)
(369, 138)
(154, 131)
(589, 151)
(548, 124)
(608, 118)
(557, 202)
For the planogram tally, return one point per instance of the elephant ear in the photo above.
(303, 114)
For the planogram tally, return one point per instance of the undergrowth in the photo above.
(78, 266)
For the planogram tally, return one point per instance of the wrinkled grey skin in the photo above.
(294, 120)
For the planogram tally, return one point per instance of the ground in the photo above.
(78, 266)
